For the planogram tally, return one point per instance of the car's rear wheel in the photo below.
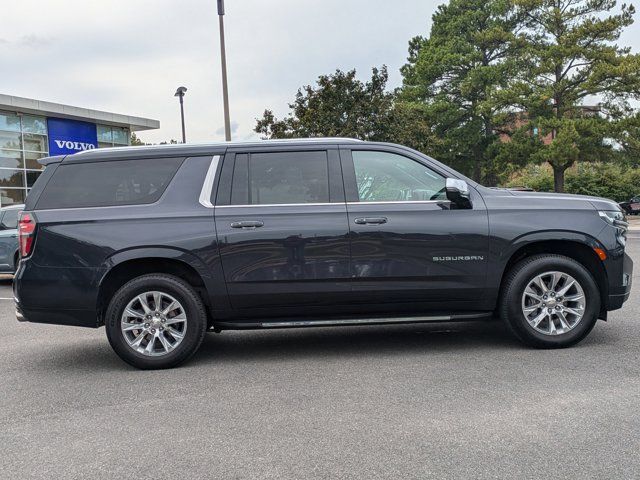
(550, 301)
(155, 321)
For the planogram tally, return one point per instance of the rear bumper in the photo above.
(76, 318)
(60, 296)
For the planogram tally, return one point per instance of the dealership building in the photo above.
(31, 129)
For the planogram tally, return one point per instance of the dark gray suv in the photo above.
(162, 244)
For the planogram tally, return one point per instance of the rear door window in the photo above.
(97, 184)
(281, 178)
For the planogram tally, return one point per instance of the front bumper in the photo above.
(620, 284)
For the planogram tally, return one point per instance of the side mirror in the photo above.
(458, 192)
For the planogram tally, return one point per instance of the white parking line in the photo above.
(6, 298)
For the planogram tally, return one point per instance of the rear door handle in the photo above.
(370, 220)
(247, 224)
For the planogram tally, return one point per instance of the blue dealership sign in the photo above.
(71, 136)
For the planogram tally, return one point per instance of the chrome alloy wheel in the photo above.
(154, 323)
(553, 303)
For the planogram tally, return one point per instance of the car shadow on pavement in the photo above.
(299, 344)
(336, 342)
(330, 343)
(88, 357)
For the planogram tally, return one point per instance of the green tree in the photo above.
(627, 137)
(135, 140)
(613, 180)
(570, 57)
(455, 74)
(340, 105)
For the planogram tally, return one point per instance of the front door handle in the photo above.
(247, 224)
(370, 220)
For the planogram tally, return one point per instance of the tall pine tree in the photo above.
(571, 64)
(455, 74)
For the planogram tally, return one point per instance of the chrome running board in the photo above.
(375, 321)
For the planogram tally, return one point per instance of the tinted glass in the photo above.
(104, 134)
(287, 177)
(36, 143)
(31, 160)
(11, 196)
(120, 136)
(10, 158)
(10, 220)
(97, 184)
(31, 124)
(9, 122)
(32, 177)
(386, 177)
(10, 140)
(11, 178)
(240, 190)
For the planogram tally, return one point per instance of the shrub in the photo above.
(538, 177)
(608, 180)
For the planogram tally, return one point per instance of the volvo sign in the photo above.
(71, 136)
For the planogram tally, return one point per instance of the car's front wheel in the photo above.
(550, 301)
(155, 321)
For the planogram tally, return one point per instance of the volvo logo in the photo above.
(79, 146)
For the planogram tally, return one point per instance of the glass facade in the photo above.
(112, 136)
(23, 141)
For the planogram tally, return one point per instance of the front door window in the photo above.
(387, 177)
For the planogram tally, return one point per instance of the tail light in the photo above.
(27, 233)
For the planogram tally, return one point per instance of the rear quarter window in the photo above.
(99, 184)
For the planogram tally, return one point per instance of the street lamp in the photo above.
(223, 59)
(180, 92)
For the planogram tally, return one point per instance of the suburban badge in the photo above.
(460, 258)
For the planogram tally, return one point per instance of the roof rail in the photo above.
(223, 144)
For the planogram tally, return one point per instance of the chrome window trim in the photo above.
(282, 205)
(394, 202)
(402, 202)
(207, 186)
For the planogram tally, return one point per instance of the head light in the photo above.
(617, 220)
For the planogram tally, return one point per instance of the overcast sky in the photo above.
(129, 56)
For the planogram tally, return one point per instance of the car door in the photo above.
(8, 239)
(282, 228)
(409, 244)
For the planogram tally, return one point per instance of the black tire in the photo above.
(517, 279)
(181, 291)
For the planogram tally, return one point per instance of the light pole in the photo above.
(223, 59)
(180, 92)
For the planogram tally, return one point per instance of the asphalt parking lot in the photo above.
(436, 401)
